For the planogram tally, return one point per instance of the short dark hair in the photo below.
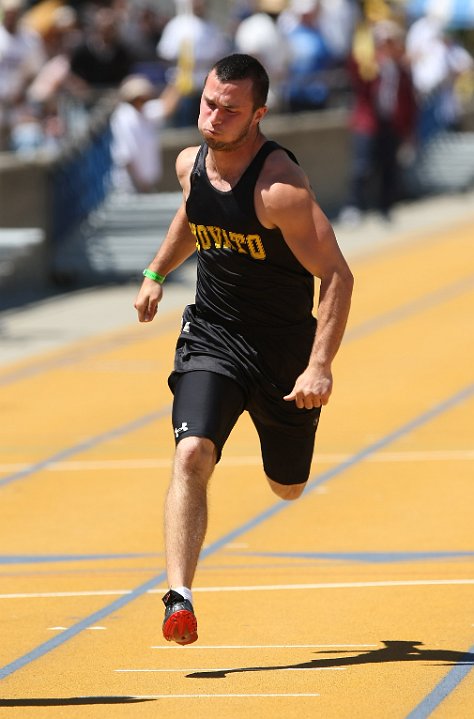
(242, 67)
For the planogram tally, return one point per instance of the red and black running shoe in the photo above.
(180, 624)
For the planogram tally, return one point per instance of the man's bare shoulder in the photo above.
(283, 181)
(184, 165)
(280, 169)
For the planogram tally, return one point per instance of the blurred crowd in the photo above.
(403, 78)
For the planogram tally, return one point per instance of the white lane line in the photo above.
(222, 696)
(328, 458)
(260, 588)
(334, 585)
(270, 646)
(207, 670)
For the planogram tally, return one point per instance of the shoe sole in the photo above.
(181, 627)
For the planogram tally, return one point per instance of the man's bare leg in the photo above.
(185, 529)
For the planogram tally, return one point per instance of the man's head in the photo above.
(233, 102)
(136, 90)
(244, 67)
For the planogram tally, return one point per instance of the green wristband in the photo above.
(154, 276)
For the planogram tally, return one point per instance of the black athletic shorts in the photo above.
(219, 373)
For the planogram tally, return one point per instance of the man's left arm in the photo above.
(314, 386)
(311, 238)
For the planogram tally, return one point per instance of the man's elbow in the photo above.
(346, 279)
(349, 280)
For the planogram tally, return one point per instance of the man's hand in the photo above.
(312, 388)
(147, 300)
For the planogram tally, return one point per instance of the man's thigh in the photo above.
(206, 404)
(287, 449)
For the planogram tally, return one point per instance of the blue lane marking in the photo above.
(367, 557)
(52, 558)
(358, 557)
(211, 549)
(73, 631)
(85, 446)
(447, 685)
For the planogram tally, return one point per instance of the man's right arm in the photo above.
(179, 244)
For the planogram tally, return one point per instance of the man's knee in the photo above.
(286, 491)
(196, 454)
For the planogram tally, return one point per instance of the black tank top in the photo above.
(247, 276)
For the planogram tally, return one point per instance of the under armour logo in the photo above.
(184, 428)
(186, 327)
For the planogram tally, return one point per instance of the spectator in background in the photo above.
(22, 54)
(136, 123)
(459, 89)
(190, 44)
(61, 37)
(141, 31)
(383, 118)
(337, 22)
(310, 57)
(56, 101)
(102, 59)
(437, 61)
(428, 58)
(260, 36)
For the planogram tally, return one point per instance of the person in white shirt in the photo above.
(135, 124)
(22, 54)
(259, 35)
(432, 61)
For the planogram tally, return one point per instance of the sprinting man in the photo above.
(250, 342)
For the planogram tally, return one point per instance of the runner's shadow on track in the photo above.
(70, 701)
(392, 651)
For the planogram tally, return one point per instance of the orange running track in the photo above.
(356, 601)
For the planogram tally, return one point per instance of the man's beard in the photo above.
(230, 145)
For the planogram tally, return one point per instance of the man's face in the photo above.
(227, 117)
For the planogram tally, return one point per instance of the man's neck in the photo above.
(225, 167)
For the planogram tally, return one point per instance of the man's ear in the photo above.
(260, 113)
